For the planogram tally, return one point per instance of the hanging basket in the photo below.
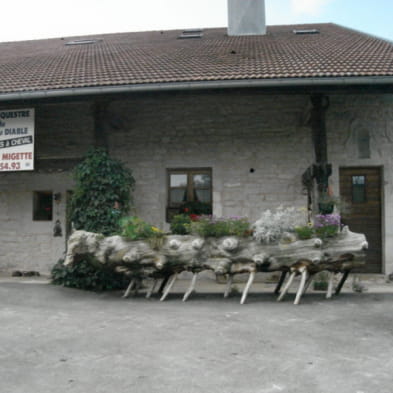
(326, 208)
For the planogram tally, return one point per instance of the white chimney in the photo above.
(246, 17)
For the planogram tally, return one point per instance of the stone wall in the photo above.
(62, 132)
(26, 244)
(348, 117)
(230, 132)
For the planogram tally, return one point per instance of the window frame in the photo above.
(172, 207)
(36, 205)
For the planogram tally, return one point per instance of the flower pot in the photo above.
(326, 208)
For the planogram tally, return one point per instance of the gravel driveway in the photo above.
(54, 339)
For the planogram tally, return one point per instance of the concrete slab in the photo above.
(54, 339)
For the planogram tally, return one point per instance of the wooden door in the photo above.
(361, 188)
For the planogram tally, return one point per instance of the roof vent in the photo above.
(191, 33)
(306, 31)
(82, 42)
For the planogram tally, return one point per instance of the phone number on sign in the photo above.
(9, 166)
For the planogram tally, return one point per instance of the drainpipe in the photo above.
(321, 169)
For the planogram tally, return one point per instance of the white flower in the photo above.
(270, 227)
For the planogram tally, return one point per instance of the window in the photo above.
(42, 205)
(359, 189)
(189, 190)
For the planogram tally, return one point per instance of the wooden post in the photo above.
(308, 283)
(168, 287)
(300, 290)
(280, 282)
(152, 288)
(191, 288)
(248, 286)
(128, 290)
(342, 281)
(228, 286)
(329, 292)
(287, 285)
(163, 283)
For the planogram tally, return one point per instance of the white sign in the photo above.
(17, 140)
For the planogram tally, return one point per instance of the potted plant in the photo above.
(327, 225)
(326, 203)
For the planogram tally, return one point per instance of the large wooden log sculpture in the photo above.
(228, 256)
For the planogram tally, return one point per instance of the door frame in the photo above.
(382, 192)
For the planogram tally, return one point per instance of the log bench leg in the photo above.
(152, 288)
(329, 292)
(163, 284)
(137, 286)
(308, 283)
(168, 287)
(128, 290)
(228, 286)
(280, 282)
(191, 288)
(247, 288)
(300, 290)
(287, 285)
(342, 281)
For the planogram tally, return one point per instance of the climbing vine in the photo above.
(102, 193)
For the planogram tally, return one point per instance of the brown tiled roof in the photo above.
(160, 57)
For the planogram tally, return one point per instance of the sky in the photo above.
(35, 19)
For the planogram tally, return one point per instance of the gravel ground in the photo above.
(55, 339)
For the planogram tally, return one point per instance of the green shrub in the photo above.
(134, 228)
(180, 224)
(87, 275)
(327, 231)
(102, 193)
(209, 226)
(304, 232)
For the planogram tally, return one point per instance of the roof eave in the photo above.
(199, 85)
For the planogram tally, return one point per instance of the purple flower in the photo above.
(323, 220)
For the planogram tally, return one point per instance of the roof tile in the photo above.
(159, 57)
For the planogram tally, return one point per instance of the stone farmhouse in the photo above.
(242, 118)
